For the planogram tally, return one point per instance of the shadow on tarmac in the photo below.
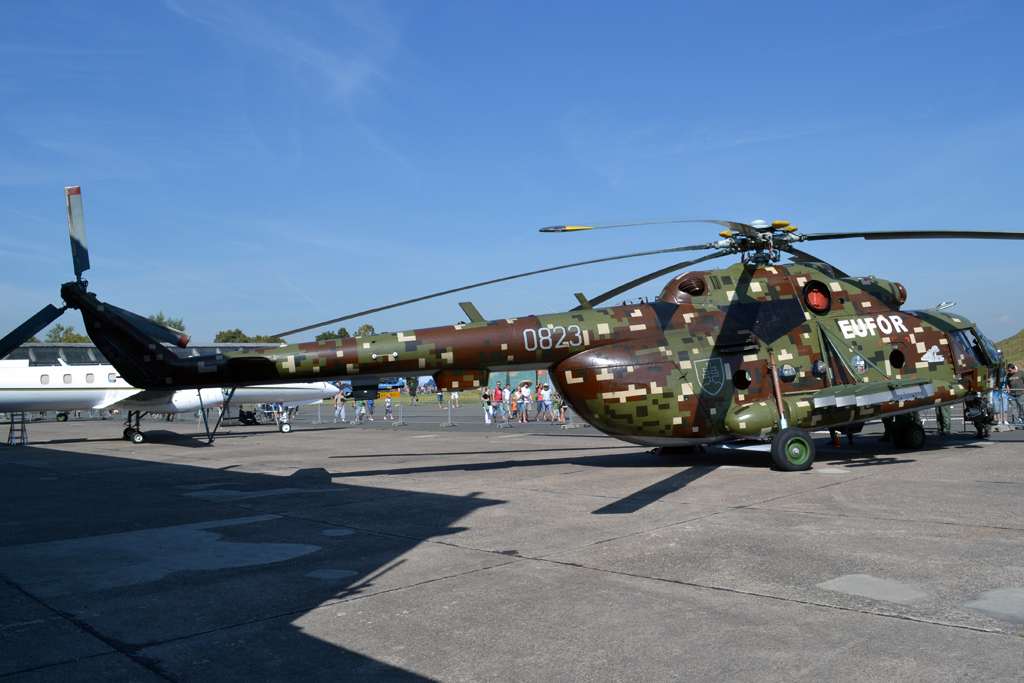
(125, 551)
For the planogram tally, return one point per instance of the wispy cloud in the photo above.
(301, 293)
(612, 150)
(941, 18)
(350, 63)
(345, 45)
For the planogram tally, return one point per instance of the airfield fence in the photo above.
(423, 414)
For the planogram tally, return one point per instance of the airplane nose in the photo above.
(331, 389)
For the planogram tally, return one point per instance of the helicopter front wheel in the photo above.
(793, 450)
(908, 435)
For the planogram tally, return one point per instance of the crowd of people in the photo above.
(506, 404)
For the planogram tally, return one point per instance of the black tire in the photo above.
(910, 436)
(793, 450)
(127, 433)
(138, 437)
(62, 417)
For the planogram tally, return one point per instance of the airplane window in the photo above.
(90, 378)
(67, 379)
(111, 377)
(44, 379)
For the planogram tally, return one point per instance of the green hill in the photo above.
(1013, 349)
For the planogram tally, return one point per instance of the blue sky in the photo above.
(268, 165)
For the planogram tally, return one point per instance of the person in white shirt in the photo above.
(527, 399)
(545, 402)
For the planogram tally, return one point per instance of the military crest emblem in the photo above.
(710, 374)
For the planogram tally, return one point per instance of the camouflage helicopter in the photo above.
(759, 351)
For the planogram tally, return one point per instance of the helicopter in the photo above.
(759, 351)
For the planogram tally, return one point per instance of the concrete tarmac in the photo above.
(537, 554)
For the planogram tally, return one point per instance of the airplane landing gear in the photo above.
(285, 427)
(62, 417)
(132, 431)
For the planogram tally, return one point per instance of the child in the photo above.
(485, 398)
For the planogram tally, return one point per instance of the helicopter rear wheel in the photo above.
(908, 435)
(793, 450)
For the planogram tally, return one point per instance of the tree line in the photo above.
(59, 334)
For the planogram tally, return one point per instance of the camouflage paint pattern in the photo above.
(693, 366)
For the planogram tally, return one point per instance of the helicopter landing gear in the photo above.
(793, 450)
(909, 435)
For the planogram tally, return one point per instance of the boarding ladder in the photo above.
(18, 435)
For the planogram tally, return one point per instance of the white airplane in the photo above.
(63, 388)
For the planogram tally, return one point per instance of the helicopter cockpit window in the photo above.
(964, 352)
(990, 349)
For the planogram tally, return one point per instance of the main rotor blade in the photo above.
(804, 257)
(919, 235)
(27, 329)
(76, 226)
(693, 247)
(647, 278)
(742, 228)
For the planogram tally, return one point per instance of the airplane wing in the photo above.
(154, 397)
(874, 393)
(112, 398)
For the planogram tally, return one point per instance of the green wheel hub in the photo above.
(793, 450)
(798, 451)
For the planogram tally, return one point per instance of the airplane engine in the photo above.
(180, 402)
